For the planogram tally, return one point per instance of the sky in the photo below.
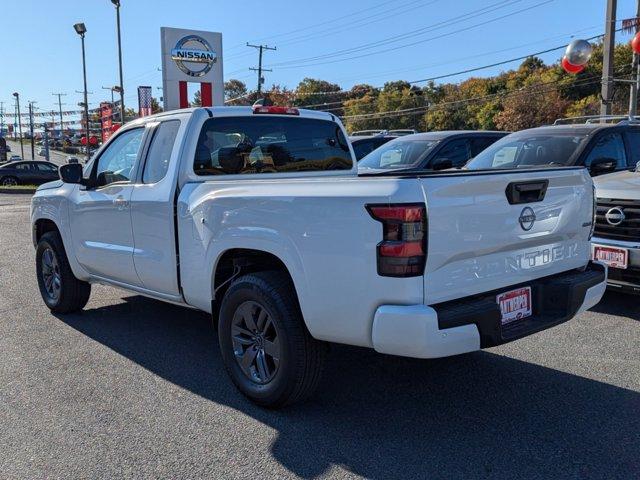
(342, 41)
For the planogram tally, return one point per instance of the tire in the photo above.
(8, 181)
(269, 299)
(61, 291)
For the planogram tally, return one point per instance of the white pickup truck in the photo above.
(259, 216)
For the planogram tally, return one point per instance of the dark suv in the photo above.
(364, 145)
(430, 151)
(601, 147)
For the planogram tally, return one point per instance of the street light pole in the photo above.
(17, 95)
(117, 5)
(81, 29)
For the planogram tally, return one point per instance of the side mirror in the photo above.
(441, 164)
(71, 173)
(603, 165)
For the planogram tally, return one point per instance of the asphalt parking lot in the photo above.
(135, 388)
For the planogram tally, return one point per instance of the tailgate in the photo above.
(479, 240)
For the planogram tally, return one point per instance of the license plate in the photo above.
(515, 304)
(614, 257)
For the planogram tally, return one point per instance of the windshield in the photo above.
(398, 154)
(522, 150)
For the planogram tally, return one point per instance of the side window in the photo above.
(633, 136)
(157, 163)
(24, 167)
(270, 144)
(46, 168)
(480, 143)
(456, 150)
(362, 148)
(609, 145)
(117, 161)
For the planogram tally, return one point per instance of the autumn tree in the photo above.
(311, 91)
(235, 90)
(359, 108)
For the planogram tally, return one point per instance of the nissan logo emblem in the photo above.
(614, 216)
(527, 218)
(193, 55)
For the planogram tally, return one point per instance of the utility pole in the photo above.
(1, 118)
(109, 88)
(17, 95)
(260, 48)
(635, 69)
(60, 95)
(606, 95)
(45, 142)
(33, 147)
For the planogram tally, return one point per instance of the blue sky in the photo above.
(379, 40)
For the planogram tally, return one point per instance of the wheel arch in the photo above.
(42, 226)
(238, 261)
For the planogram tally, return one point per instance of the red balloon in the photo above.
(93, 140)
(83, 140)
(115, 127)
(570, 67)
(635, 43)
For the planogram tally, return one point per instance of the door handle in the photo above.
(120, 202)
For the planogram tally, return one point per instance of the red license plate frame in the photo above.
(515, 305)
(613, 257)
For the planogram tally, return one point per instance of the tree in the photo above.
(234, 89)
(362, 101)
(531, 108)
(311, 91)
(280, 96)
(197, 99)
(155, 106)
(407, 100)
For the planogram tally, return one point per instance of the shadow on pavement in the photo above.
(481, 415)
(620, 304)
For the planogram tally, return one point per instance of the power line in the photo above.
(437, 26)
(453, 74)
(325, 22)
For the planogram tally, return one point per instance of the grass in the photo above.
(19, 187)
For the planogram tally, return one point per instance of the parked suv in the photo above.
(364, 145)
(430, 151)
(617, 231)
(601, 147)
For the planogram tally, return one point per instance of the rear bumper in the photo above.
(624, 280)
(472, 323)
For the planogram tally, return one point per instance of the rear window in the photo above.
(398, 154)
(270, 144)
(523, 150)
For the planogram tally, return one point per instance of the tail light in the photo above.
(593, 213)
(275, 110)
(403, 250)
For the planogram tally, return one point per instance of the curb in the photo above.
(17, 190)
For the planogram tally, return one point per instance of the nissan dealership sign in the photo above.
(190, 56)
(193, 55)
